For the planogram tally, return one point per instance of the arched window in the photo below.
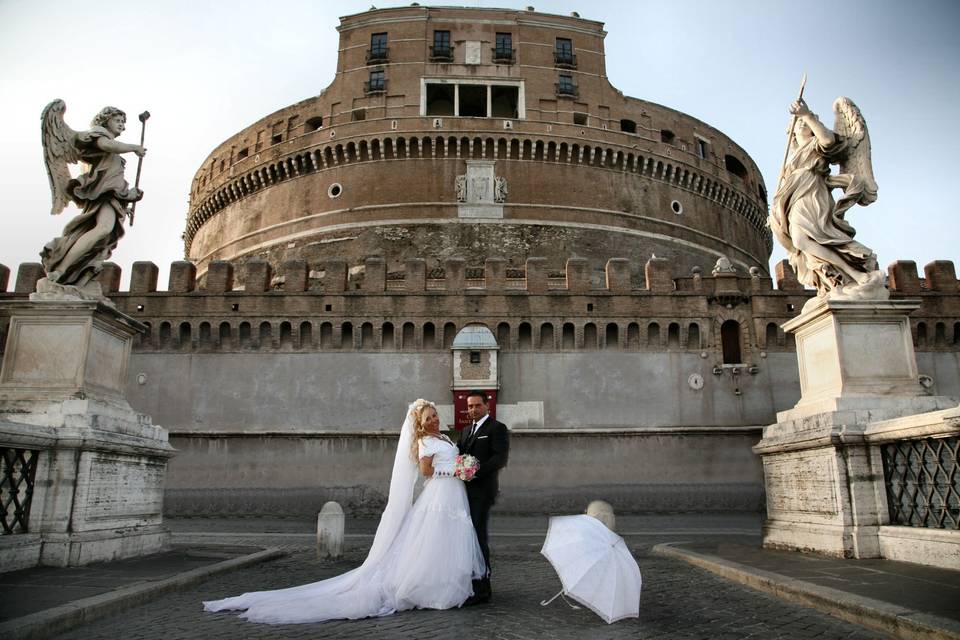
(693, 336)
(184, 335)
(772, 331)
(940, 334)
(205, 334)
(266, 335)
(386, 336)
(366, 336)
(633, 336)
(590, 336)
(346, 335)
(245, 333)
(503, 335)
(673, 336)
(653, 335)
(628, 126)
(225, 337)
(730, 339)
(326, 335)
(429, 336)
(525, 337)
(921, 334)
(735, 167)
(306, 335)
(409, 336)
(449, 333)
(569, 338)
(612, 338)
(547, 341)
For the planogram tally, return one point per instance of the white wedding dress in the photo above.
(424, 555)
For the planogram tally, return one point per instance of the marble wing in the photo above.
(855, 163)
(59, 151)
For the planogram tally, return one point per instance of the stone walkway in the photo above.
(679, 600)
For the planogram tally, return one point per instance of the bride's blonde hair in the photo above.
(419, 430)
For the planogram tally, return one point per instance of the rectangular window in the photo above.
(503, 51)
(565, 86)
(441, 50)
(440, 99)
(473, 100)
(377, 82)
(702, 148)
(563, 53)
(378, 47)
(503, 101)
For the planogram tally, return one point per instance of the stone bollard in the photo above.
(330, 531)
(603, 512)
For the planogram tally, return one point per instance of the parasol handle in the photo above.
(559, 593)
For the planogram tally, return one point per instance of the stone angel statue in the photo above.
(806, 219)
(73, 260)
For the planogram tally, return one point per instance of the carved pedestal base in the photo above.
(97, 486)
(824, 480)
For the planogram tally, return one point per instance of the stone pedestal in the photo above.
(824, 482)
(99, 465)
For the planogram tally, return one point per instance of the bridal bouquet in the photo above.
(466, 467)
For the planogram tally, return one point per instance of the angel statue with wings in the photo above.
(73, 260)
(807, 220)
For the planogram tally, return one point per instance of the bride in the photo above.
(424, 554)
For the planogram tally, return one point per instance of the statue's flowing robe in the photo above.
(103, 185)
(804, 212)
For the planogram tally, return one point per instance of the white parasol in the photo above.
(594, 565)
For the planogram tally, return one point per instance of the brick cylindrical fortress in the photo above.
(477, 133)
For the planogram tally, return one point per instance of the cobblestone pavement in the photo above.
(678, 601)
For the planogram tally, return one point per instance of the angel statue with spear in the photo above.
(73, 260)
(806, 219)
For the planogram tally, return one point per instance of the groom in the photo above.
(487, 441)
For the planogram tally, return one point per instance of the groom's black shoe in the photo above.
(481, 593)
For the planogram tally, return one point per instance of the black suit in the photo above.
(491, 447)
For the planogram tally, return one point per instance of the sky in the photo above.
(206, 70)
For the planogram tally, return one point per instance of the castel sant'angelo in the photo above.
(471, 204)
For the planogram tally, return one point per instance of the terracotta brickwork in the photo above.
(356, 172)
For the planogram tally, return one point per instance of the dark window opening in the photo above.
(378, 51)
(441, 51)
(762, 192)
(667, 136)
(377, 82)
(525, 336)
(580, 118)
(358, 114)
(628, 126)
(503, 51)
(277, 139)
(474, 357)
(730, 338)
(504, 101)
(440, 99)
(693, 336)
(563, 53)
(313, 123)
(565, 86)
(701, 148)
(735, 167)
(243, 153)
(473, 100)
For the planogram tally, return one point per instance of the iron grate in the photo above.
(922, 482)
(17, 470)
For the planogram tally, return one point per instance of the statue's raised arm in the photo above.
(806, 219)
(73, 260)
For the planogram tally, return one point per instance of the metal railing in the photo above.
(923, 482)
(377, 86)
(17, 470)
(503, 55)
(567, 90)
(564, 60)
(378, 55)
(441, 53)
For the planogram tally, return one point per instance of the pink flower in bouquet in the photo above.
(466, 467)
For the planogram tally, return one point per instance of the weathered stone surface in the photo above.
(143, 278)
(903, 277)
(295, 274)
(4, 277)
(28, 275)
(258, 276)
(603, 512)
(330, 531)
(183, 277)
(618, 275)
(941, 276)
(110, 277)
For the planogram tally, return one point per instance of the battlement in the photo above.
(334, 277)
(333, 306)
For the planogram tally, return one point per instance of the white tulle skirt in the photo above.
(430, 565)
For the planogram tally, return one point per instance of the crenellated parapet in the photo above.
(341, 307)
